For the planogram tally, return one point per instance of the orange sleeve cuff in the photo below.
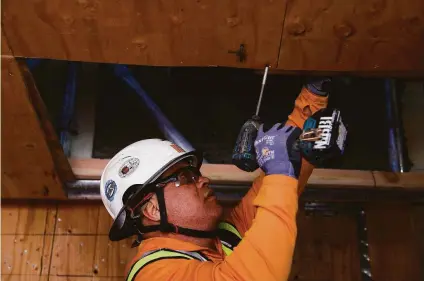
(306, 104)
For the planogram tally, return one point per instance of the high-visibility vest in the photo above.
(227, 233)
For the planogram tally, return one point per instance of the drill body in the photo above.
(244, 154)
(323, 139)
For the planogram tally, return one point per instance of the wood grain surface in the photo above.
(28, 168)
(395, 232)
(178, 33)
(378, 36)
(60, 160)
(354, 35)
(326, 248)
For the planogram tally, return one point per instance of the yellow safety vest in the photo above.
(227, 233)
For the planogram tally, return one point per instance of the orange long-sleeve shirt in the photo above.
(266, 219)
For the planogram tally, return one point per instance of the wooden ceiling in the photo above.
(377, 36)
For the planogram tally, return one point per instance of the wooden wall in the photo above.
(65, 242)
(320, 35)
(68, 242)
(34, 165)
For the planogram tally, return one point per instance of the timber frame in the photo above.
(324, 184)
(375, 40)
(359, 37)
(26, 109)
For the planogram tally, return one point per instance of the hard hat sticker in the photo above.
(128, 167)
(110, 189)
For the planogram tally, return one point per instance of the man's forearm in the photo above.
(307, 103)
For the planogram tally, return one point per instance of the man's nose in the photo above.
(202, 182)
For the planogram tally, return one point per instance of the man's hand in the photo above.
(275, 153)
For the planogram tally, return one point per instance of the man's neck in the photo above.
(202, 242)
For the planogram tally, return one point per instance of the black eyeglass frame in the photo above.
(176, 177)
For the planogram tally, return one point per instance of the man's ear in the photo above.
(151, 209)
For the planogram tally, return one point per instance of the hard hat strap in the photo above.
(167, 227)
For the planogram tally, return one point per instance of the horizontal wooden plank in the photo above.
(230, 174)
(91, 168)
(88, 168)
(178, 33)
(411, 180)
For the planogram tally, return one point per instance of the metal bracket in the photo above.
(240, 53)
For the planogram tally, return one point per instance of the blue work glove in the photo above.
(275, 153)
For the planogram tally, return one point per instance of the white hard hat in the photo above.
(137, 165)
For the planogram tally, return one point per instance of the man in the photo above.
(154, 190)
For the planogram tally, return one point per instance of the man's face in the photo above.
(191, 205)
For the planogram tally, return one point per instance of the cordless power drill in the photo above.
(323, 138)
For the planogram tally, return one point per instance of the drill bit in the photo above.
(262, 89)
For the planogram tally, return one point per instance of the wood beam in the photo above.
(167, 33)
(353, 35)
(321, 178)
(396, 247)
(33, 163)
(376, 39)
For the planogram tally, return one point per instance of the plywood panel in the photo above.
(179, 33)
(78, 218)
(73, 255)
(326, 248)
(354, 35)
(112, 258)
(45, 247)
(79, 278)
(28, 169)
(25, 218)
(23, 278)
(70, 278)
(25, 254)
(5, 49)
(395, 242)
(60, 160)
(105, 221)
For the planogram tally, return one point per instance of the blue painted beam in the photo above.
(68, 109)
(166, 127)
(394, 137)
(33, 63)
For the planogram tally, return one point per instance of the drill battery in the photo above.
(323, 138)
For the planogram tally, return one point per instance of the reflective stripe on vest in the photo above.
(229, 237)
(150, 257)
(227, 233)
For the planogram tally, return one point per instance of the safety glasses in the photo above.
(185, 175)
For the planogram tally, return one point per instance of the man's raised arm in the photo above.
(311, 99)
